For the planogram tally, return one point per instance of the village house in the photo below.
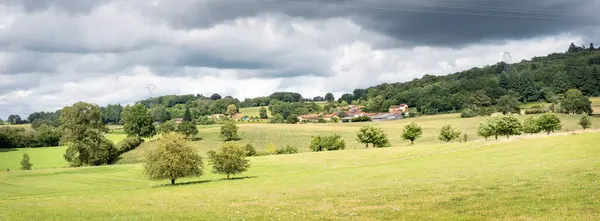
(402, 108)
(309, 117)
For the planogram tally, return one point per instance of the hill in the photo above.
(551, 178)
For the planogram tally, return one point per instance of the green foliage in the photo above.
(585, 122)
(137, 121)
(448, 133)
(361, 119)
(298, 108)
(468, 113)
(536, 111)
(230, 160)
(530, 126)
(575, 103)
(206, 121)
(83, 131)
(262, 112)
(507, 125)
(188, 129)
(15, 119)
(487, 128)
(326, 143)
(334, 119)
(271, 149)
(173, 158)
(229, 131)
(159, 113)
(129, 144)
(549, 123)
(167, 127)
(288, 149)
(465, 137)
(111, 114)
(25, 164)
(276, 119)
(1, 122)
(231, 110)
(292, 119)
(509, 104)
(411, 132)
(187, 116)
(250, 151)
(371, 135)
(329, 97)
(47, 136)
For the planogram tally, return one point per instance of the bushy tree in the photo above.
(173, 158)
(229, 131)
(448, 133)
(530, 126)
(487, 129)
(549, 123)
(326, 143)
(329, 97)
(167, 127)
(47, 136)
(230, 160)
(371, 135)
(411, 132)
(215, 96)
(509, 104)
(585, 122)
(137, 121)
(574, 102)
(159, 113)
(292, 119)
(188, 129)
(468, 113)
(1, 122)
(25, 164)
(231, 110)
(250, 151)
(276, 119)
(83, 132)
(262, 112)
(507, 125)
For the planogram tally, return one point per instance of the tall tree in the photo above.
(187, 116)
(137, 121)
(262, 112)
(215, 96)
(509, 104)
(230, 160)
(159, 113)
(173, 158)
(574, 102)
(14, 119)
(83, 132)
(329, 97)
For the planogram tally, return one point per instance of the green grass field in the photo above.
(252, 111)
(549, 178)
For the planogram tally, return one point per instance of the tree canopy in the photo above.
(229, 160)
(173, 158)
(137, 121)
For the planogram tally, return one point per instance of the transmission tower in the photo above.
(507, 59)
(151, 88)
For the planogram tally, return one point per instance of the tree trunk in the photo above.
(496, 137)
(227, 176)
(172, 181)
(412, 142)
(367, 146)
(547, 132)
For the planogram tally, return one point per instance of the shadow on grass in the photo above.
(202, 181)
(7, 149)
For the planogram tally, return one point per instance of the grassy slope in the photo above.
(299, 135)
(596, 104)
(552, 178)
(252, 111)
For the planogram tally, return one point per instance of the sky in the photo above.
(54, 53)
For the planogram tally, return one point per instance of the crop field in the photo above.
(548, 178)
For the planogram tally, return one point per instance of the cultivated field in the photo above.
(548, 178)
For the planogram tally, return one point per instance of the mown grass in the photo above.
(551, 178)
(300, 135)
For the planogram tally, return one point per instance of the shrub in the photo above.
(507, 125)
(530, 126)
(95, 151)
(276, 119)
(325, 143)
(271, 149)
(229, 131)
(536, 111)
(13, 137)
(411, 132)
(361, 119)
(292, 119)
(47, 136)
(468, 113)
(188, 129)
(287, 150)
(485, 111)
(25, 164)
(486, 129)
(585, 122)
(173, 159)
(334, 119)
(250, 151)
(447, 133)
(129, 144)
(230, 160)
(321, 120)
(549, 123)
(465, 137)
(206, 121)
(167, 127)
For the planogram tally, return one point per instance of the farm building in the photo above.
(309, 117)
(387, 117)
(402, 108)
(178, 120)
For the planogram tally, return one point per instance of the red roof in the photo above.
(329, 115)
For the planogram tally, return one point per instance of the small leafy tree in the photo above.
(188, 129)
(231, 110)
(137, 121)
(230, 160)
(25, 164)
(167, 127)
(326, 143)
(530, 126)
(411, 132)
(448, 133)
(371, 135)
(262, 112)
(173, 158)
(250, 151)
(507, 125)
(329, 97)
(486, 129)
(549, 123)
(585, 122)
(229, 131)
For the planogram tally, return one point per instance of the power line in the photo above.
(419, 10)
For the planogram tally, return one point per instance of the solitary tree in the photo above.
(25, 164)
(509, 104)
(231, 110)
(447, 133)
(486, 129)
(576, 103)
(262, 112)
(549, 123)
(329, 97)
(507, 125)
(137, 121)
(229, 131)
(371, 135)
(187, 116)
(230, 160)
(530, 126)
(411, 132)
(173, 158)
(83, 132)
(187, 128)
(585, 122)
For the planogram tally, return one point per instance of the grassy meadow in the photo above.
(546, 178)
